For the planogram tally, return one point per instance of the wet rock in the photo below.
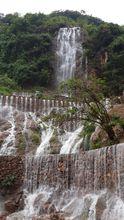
(3, 215)
(15, 202)
(50, 208)
(101, 136)
(10, 206)
(4, 125)
(100, 207)
(33, 125)
(54, 216)
(3, 135)
(19, 119)
(55, 145)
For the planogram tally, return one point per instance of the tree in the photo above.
(93, 108)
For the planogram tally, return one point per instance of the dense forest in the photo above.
(26, 54)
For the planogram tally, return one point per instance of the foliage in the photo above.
(21, 143)
(93, 110)
(26, 47)
(35, 137)
(8, 181)
(7, 85)
(116, 120)
(107, 38)
(26, 44)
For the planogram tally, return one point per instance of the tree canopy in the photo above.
(26, 47)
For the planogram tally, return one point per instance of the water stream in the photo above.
(68, 45)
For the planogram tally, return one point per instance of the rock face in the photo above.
(53, 216)
(101, 205)
(4, 125)
(100, 136)
(15, 202)
(11, 183)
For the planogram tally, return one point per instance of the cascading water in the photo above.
(71, 141)
(68, 184)
(76, 186)
(68, 46)
(47, 133)
(8, 147)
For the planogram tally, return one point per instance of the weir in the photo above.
(90, 171)
(74, 185)
(32, 104)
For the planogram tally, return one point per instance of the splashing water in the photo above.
(8, 147)
(71, 141)
(47, 133)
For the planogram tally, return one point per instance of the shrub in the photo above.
(8, 181)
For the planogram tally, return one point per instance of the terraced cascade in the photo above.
(53, 177)
(33, 104)
(86, 186)
(23, 126)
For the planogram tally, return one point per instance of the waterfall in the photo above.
(68, 47)
(47, 132)
(71, 141)
(8, 148)
(87, 186)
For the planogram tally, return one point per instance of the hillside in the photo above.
(61, 117)
(27, 55)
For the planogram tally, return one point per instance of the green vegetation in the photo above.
(107, 39)
(94, 112)
(35, 137)
(7, 85)
(21, 143)
(26, 48)
(8, 181)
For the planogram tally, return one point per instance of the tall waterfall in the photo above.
(68, 48)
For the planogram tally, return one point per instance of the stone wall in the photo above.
(34, 104)
(11, 173)
(91, 171)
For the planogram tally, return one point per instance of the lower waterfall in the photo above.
(74, 187)
(61, 180)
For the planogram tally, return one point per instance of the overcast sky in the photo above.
(108, 10)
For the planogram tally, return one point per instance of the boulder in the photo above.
(4, 125)
(100, 207)
(3, 215)
(3, 135)
(14, 202)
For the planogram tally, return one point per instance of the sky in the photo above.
(107, 10)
